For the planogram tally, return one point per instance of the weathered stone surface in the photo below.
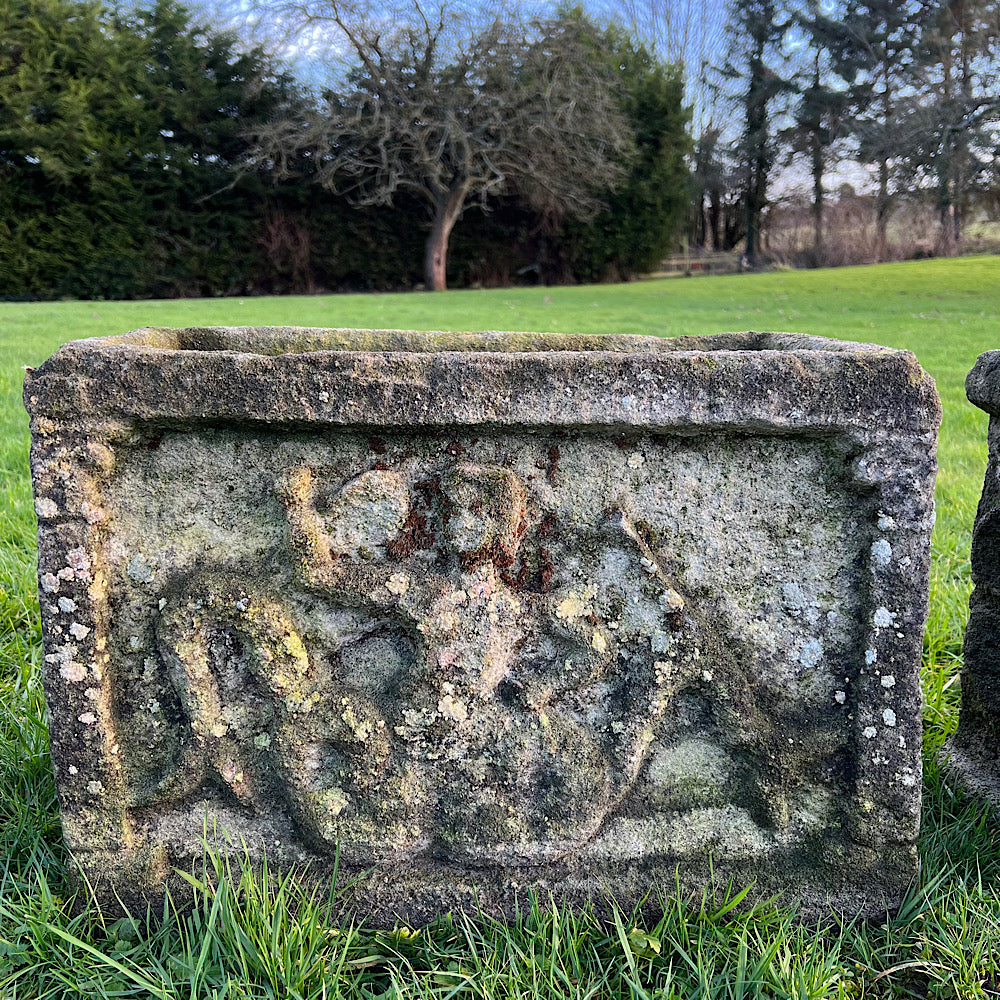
(971, 758)
(488, 612)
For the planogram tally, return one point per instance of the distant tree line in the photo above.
(908, 89)
(145, 155)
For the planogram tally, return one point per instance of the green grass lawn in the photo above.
(240, 942)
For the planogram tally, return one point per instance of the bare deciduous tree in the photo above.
(446, 107)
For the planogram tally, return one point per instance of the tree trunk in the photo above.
(882, 212)
(757, 166)
(447, 209)
(715, 218)
(958, 199)
(817, 205)
(882, 200)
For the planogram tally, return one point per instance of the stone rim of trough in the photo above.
(760, 381)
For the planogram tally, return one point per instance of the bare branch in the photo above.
(455, 108)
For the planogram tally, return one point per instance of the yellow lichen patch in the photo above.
(299, 703)
(672, 600)
(331, 801)
(360, 729)
(576, 605)
(297, 650)
(452, 708)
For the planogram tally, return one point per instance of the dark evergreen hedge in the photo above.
(122, 174)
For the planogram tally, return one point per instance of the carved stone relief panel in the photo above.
(471, 654)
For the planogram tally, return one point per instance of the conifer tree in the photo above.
(872, 49)
(756, 31)
(951, 117)
(820, 115)
(119, 133)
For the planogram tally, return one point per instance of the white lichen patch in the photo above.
(366, 513)
(73, 671)
(811, 653)
(888, 681)
(50, 583)
(63, 654)
(92, 514)
(79, 631)
(663, 670)
(139, 570)
(869, 732)
(95, 787)
(78, 561)
(840, 697)
(663, 642)
(46, 507)
(889, 717)
(883, 618)
(636, 460)
(881, 553)
(691, 760)
(871, 655)
(728, 832)
(599, 643)
(449, 622)
(87, 718)
(67, 605)
(398, 584)
(793, 597)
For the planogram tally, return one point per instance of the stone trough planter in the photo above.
(486, 613)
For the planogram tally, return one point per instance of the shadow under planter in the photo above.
(480, 613)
